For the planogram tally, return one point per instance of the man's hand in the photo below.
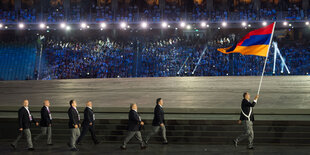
(37, 123)
(20, 129)
(239, 121)
(141, 123)
(162, 124)
(256, 97)
(79, 125)
(90, 123)
(75, 126)
(49, 124)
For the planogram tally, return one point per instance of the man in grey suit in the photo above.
(25, 118)
(158, 122)
(246, 118)
(134, 126)
(45, 123)
(74, 125)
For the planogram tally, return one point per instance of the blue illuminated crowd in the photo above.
(175, 56)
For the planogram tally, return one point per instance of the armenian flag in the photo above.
(256, 42)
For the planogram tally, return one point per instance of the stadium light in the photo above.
(285, 23)
(203, 24)
(83, 25)
(103, 25)
(1, 25)
(123, 25)
(42, 25)
(307, 23)
(164, 24)
(144, 25)
(249, 25)
(21, 25)
(243, 24)
(188, 27)
(182, 24)
(224, 24)
(264, 23)
(63, 25)
(68, 28)
(6, 27)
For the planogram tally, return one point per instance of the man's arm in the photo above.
(75, 121)
(46, 116)
(249, 104)
(71, 117)
(86, 116)
(159, 116)
(134, 116)
(20, 119)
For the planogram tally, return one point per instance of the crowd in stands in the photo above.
(170, 12)
(92, 59)
(174, 56)
(24, 15)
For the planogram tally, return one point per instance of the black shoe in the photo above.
(96, 143)
(251, 148)
(235, 143)
(123, 148)
(13, 146)
(165, 143)
(69, 145)
(50, 144)
(30, 149)
(146, 142)
(79, 144)
(74, 149)
(143, 147)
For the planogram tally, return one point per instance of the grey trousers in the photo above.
(27, 133)
(248, 133)
(75, 134)
(155, 130)
(45, 131)
(129, 136)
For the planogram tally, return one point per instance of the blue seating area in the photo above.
(17, 62)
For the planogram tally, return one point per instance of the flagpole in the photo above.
(261, 79)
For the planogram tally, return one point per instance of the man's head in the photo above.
(72, 103)
(246, 95)
(160, 101)
(89, 104)
(133, 106)
(46, 103)
(26, 103)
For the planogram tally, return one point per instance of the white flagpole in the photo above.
(261, 79)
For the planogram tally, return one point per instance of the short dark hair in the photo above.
(71, 102)
(244, 94)
(158, 100)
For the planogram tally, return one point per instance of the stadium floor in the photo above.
(223, 94)
(171, 149)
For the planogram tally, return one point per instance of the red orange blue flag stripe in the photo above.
(256, 42)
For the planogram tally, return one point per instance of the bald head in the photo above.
(25, 103)
(46, 103)
(89, 104)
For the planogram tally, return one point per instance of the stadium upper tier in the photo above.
(152, 14)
